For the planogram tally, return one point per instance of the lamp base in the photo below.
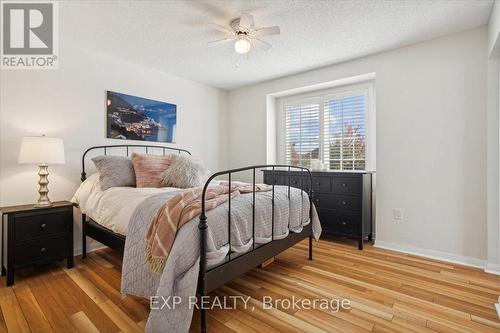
(43, 190)
(43, 204)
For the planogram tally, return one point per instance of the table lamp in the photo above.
(43, 151)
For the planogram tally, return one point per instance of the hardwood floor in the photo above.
(388, 291)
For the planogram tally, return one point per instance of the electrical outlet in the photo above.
(398, 213)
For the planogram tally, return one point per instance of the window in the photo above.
(330, 126)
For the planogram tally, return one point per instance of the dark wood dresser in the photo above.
(32, 236)
(343, 200)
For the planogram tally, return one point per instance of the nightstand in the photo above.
(33, 236)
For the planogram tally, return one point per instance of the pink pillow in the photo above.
(148, 169)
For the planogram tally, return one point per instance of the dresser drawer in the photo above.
(347, 185)
(348, 224)
(345, 202)
(306, 183)
(338, 202)
(339, 223)
(302, 182)
(40, 250)
(324, 200)
(276, 180)
(327, 219)
(297, 181)
(27, 227)
(321, 183)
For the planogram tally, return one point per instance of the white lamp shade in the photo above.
(41, 150)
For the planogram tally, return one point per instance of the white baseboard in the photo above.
(492, 269)
(432, 254)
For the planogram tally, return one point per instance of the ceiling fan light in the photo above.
(242, 45)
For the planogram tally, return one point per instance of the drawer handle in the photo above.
(43, 225)
(42, 249)
(344, 185)
(317, 200)
(344, 223)
(318, 183)
(294, 182)
(344, 203)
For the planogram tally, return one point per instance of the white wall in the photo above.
(492, 190)
(70, 103)
(492, 204)
(431, 140)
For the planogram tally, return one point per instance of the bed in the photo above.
(262, 215)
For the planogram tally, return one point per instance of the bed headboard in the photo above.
(126, 149)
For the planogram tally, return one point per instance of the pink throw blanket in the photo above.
(182, 208)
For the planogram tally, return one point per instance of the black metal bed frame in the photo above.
(212, 278)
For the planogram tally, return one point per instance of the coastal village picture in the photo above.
(136, 118)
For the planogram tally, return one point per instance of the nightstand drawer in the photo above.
(40, 250)
(29, 226)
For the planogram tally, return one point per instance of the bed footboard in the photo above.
(215, 277)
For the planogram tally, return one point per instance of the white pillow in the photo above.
(90, 185)
(183, 172)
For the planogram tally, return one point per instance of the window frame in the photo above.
(366, 88)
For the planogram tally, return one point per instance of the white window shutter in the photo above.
(344, 142)
(302, 131)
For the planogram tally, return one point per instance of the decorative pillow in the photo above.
(148, 169)
(184, 173)
(114, 171)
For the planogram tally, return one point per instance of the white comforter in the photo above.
(112, 208)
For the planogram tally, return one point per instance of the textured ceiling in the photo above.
(172, 36)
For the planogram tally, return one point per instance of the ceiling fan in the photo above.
(244, 34)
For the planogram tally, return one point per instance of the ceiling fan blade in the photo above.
(268, 31)
(221, 28)
(220, 41)
(261, 44)
(246, 20)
